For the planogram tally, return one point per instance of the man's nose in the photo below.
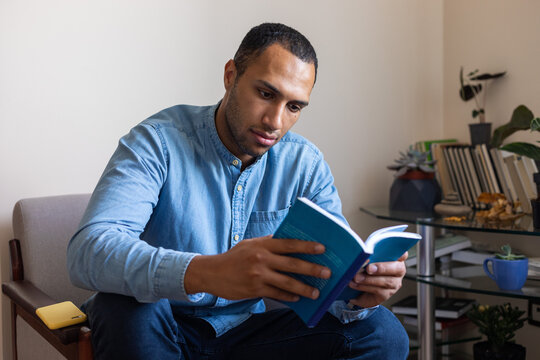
(273, 118)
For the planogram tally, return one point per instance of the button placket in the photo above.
(238, 204)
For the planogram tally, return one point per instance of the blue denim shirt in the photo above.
(172, 191)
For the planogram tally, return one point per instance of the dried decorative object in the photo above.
(500, 210)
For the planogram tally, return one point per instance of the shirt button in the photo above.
(239, 188)
(236, 237)
(235, 162)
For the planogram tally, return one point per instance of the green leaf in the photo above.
(520, 120)
(488, 76)
(467, 92)
(525, 149)
(535, 124)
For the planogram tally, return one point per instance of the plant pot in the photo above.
(415, 191)
(510, 351)
(480, 133)
(508, 274)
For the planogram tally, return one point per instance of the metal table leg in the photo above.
(426, 295)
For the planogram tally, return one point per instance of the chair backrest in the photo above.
(44, 226)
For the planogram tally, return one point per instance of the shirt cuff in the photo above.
(345, 314)
(171, 274)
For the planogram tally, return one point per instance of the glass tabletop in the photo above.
(522, 225)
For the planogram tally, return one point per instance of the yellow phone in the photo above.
(60, 315)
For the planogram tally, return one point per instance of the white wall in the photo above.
(76, 75)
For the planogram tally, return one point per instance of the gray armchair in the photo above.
(42, 228)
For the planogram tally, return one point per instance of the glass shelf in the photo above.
(477, 284)
(429, 276)
(455, 335)
(521, 226)
(474, 284)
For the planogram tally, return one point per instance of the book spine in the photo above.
(499, 169)
(492, 175)
(484, 184)
(451, 173)
(461, 177)
(527, 180)
(516, 180)
(338, 289)
(481, 156)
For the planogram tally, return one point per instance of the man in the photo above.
(177, 235)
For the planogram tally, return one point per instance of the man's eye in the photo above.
(294, 108)
(265, 94)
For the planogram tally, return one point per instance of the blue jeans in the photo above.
(123, 328)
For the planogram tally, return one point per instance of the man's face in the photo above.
(261, 105)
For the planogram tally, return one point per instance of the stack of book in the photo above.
(471, 170)
(471, 261)
(444, 245)
(534, 268)
(445, 308)
(440, 323)
(471, 256)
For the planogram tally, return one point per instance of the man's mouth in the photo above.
(263, 138)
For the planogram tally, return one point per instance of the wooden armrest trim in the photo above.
(27, 299)
(26, 295)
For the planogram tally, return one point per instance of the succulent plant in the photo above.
(412, 160)
(507, 254)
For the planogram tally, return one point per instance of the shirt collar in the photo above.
(220, 147)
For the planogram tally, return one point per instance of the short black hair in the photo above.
(262, 36)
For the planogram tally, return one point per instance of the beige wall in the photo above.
(76, 75)
(494, 36)
(491, 36)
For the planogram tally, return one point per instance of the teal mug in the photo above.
(508, 274)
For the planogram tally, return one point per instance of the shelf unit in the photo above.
(425, 272)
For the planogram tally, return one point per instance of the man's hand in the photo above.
(255, 268)
(378, 282)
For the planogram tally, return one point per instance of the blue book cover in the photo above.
(346, 253)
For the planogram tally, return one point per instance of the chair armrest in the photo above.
(28, 298)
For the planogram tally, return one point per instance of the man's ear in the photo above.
(229, 75)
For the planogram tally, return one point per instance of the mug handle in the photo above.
(486, 268)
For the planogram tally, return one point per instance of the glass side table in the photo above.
(425, 272)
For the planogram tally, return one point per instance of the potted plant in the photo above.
(471, 87)
(414, 187)
(499, 324)
(522, 119)
(508, 270)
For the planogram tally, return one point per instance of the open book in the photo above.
(345, 254)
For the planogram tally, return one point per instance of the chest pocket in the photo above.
(262, 223)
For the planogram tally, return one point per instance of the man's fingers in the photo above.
(278, 294)
(404, 257)
(294, 265)
(374, 284)
(291, 285)
(290, 246)
(391, 268)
